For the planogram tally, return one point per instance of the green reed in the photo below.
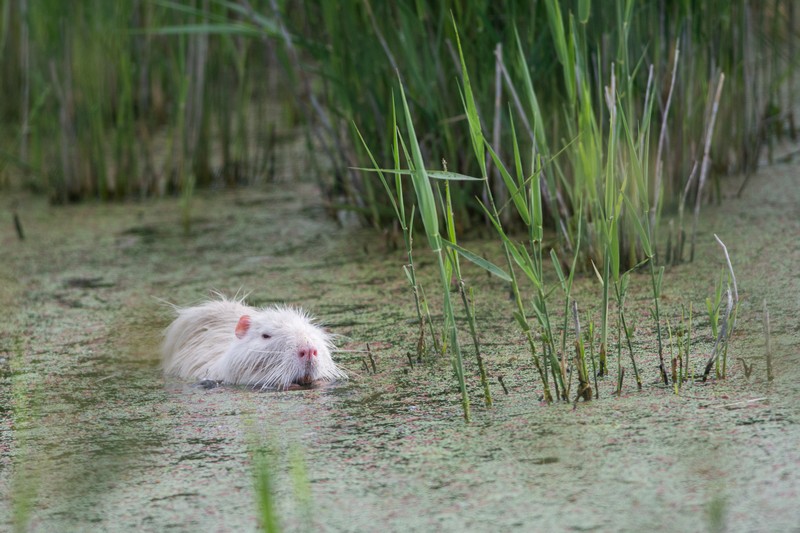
(617, 202)
(263, 480)
(406, 222)
(446, 250)
(266, 456)
(430, 220)
(525, 195)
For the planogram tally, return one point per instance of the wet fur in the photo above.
(201, 344)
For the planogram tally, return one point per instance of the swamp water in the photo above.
(93, 438)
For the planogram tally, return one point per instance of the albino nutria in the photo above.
(268, 348)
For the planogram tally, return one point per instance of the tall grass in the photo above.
(446, 251)
(108, 100)
(143, 97)
(406, 222)
(430, 221)
(625, 158)
(559, 63)
(595, 181)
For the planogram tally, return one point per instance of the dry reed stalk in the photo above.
(706, 165)
(677, 257)
(18, 226)
(524, 117)
(66, 110)
(500, 191)
(307, 91)
(197, 60)
(379, 35)
(26, 82)
(662, 139)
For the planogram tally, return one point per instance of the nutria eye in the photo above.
(265, 336)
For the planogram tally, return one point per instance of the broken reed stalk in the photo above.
(748, 369)
(18, 226)
(591, 358)
(672, 359)
(706, 165)
(420, 302)
(502, 384)
(727, 325)
(372, 360)
(730, 269)
(732, 325)
(526, 329)
(770, 377)
(470, 312)
(723, 331)
(421, 342)
(656, 283)
(621, 378)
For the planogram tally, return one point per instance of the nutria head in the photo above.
(278, 347)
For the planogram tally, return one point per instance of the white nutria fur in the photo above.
(226, 340)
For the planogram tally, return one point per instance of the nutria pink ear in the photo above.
(242, 326)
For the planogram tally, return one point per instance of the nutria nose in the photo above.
(307, 352)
